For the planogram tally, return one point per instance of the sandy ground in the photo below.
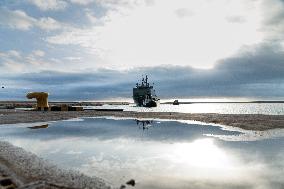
(256, 122)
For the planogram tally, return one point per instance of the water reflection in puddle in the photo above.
(158, 154)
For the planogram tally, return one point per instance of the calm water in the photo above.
(158, 154)
(223, 108)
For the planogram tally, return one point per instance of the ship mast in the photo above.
(147, 84)
(142, 84)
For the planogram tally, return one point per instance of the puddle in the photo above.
(158, 153)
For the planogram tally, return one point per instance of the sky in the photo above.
(99, 49)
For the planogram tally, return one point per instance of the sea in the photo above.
(209, 107)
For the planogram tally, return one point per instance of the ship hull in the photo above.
(152, 103)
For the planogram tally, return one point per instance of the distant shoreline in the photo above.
(126, 102)
(222, 102)
(28, 104)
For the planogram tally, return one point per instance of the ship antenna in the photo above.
(146, 80)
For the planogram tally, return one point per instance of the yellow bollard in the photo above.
(41, 97)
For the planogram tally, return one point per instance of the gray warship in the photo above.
(144, 94)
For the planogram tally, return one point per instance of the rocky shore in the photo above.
(255, 122)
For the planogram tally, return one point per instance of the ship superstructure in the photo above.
(144, 94)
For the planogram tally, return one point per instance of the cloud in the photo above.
(18, 19)
(16, 62)
(12, 53)
(273, 19)
(75, 36)
(91, 17)
(235, 19)
(116, 4)
(38, 53)
(242, 50)
(184, 33)
(182, 12)
(254, 72)
(48, 24)
(49, 4)
(82, 2)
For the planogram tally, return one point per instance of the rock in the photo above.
(131, 182)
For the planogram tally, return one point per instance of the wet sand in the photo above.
(255, 122)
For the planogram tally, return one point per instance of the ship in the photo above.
(144, 94)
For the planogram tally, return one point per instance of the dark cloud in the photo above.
(273, 21)
(276, 15)
(254, 72)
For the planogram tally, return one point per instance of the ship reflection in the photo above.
(144, 124)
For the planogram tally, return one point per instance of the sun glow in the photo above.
(201, 153)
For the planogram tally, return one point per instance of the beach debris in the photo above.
(176, 102)
(122, 186)
(131, 182)
(66, 107)
(6, 182)
(3, 87)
